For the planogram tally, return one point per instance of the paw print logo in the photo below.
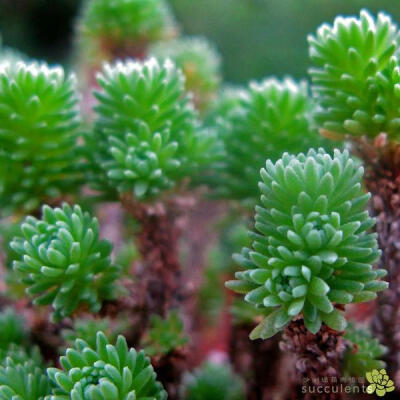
(379, 382)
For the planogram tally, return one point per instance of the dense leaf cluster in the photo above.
(311, 248)
(63, 262)
(356, 75)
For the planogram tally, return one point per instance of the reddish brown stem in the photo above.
(317, 360)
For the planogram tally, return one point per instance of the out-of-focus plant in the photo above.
(12, 328)
(213, 382)
(63, 262)
(363, 354)
(39, 161)
(199, 62)
(111, 29)
(273, 117)
(106, 371)
(165, 335)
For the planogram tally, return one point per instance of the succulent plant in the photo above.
(364, 353)
(133, 20)
(199, 62)
(312, 248)
(22, 381)
(273, 117)
(39, 121)
(87, 328)
(106, 372)
(12, 328)
(164, 335)
(146, 132)
(356, 75)
(213, 382)
(63, 262)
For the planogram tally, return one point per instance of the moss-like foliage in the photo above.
(213, 382)
(63, 262)
(273, 117)
(127, 20)
(165, 335)
(87, 328)
(311, 247)
(146, 138)
(363, 354)
(356, 75)
(105, 372)
(12, 329)
(38, 135)
(22, 376)
(199, 62)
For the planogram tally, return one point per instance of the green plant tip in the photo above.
(39, 121)
(312, 247)
(272, 117)
(105, 372)
(356, 75)
(146, 136)
(63, 262)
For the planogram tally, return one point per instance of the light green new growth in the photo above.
(199, 62)
(273, 117)
(165, 335)
(63, 262)
(105, 372)
(363, 354)
(146, 138)
(38, 135)
(311, 248)
(356, 75)
(213, 382)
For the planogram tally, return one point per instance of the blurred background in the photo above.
(255, 37)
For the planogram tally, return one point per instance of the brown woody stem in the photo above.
(318, 360)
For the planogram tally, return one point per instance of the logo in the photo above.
(379, 382)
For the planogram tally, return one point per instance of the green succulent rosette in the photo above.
(105, 372)
(39, 159)
(312, 248)
(63, 262)
(273, 117)
(146, 139)
(355, 75)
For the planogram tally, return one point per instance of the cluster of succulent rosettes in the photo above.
(363, 354)
(38, 137)
(63, 262)
(312, 248)
(213, 381)
(105, 372)
(23, 380)
(356, 75)
(165, 335)
(273, 117)
(199, 62)
(121, 28)
(146, 132)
